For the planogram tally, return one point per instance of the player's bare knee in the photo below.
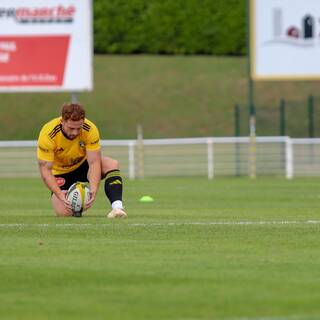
(109, 164)
(59, 210)
(115, 164)
(58, 207)
(61, 214)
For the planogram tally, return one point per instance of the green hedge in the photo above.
(170, 26)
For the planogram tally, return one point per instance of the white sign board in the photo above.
(285, 39)
(45, 45)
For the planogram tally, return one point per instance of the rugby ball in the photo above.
(78, 195)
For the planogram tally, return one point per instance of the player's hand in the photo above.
(91, 200)
(62, 196)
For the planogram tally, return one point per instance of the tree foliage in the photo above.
(170, 26)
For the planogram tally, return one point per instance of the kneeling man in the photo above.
(69, 151)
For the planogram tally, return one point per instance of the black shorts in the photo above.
(80, 174)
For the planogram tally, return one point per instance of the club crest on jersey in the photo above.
(82, 144)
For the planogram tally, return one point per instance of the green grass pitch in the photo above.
(226, 249)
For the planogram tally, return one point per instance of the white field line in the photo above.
(262, 318)
(159, 224)
(291, 317)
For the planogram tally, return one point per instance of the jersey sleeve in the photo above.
(45, 148)
(93, 139)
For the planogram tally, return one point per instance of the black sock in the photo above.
(113, 185)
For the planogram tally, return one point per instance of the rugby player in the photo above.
(69, 151)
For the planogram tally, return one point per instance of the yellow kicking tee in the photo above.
(66, 155)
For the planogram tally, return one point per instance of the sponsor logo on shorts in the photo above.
(60, 181)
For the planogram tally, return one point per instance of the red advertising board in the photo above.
(46, 45)
(33, 60)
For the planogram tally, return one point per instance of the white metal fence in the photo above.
(211, 157)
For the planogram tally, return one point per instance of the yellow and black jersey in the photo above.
(66, 155)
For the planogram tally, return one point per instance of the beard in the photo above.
(68, 136)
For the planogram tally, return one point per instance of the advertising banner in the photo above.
(45, 45)
(285, 39)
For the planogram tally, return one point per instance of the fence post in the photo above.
(282, 118)
(140, 150)
(311, 116)
(132, 166)
(237, 134)
(237, 120)
(289, 158)
(253, 145)
(74, 97)
(210, 158)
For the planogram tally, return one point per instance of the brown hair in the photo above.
(72, 111)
